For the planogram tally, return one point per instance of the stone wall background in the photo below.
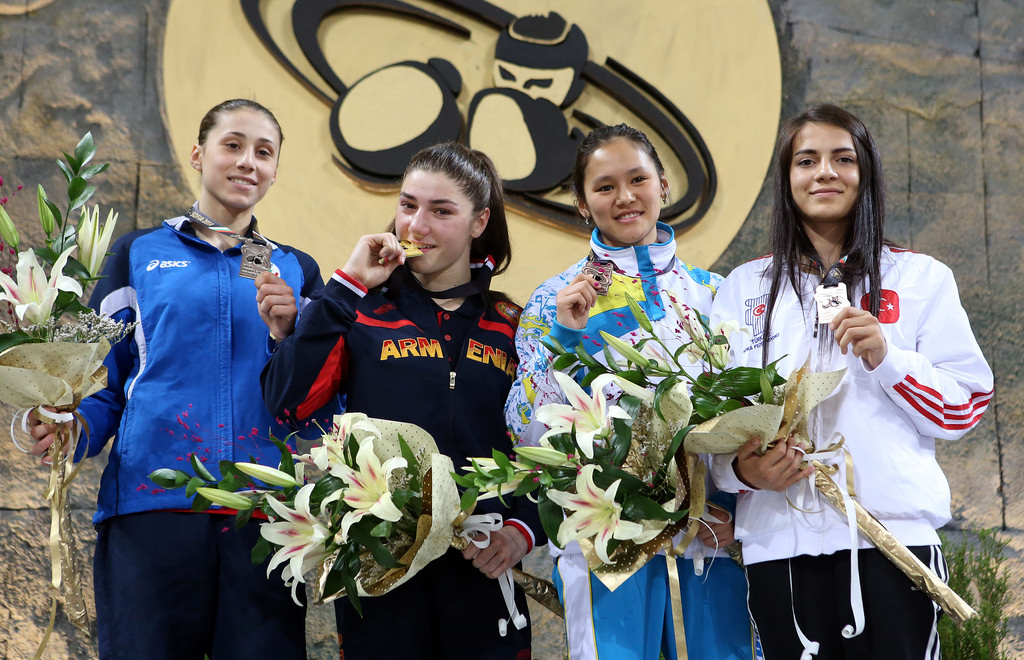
(939, 83)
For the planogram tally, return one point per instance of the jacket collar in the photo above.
(640, 260)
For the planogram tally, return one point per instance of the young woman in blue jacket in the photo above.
(424, 340)
(171, 583)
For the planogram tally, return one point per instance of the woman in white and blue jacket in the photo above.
(171, 583)
(620, 184)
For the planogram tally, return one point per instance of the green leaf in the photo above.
(673, 447)
(468, 499)
(564, 361)
(551, 517)
(619, 442)
(765, 381)
(93, 170)
(72, 163)
(85, 150)
(738, 382)
(382, 529)
(83, 198)
(586, 358)
(65, 170)
(168, 478)
(75, 268)
(200, 469)
(193, 483)
(362, 536)
(17, 338)
(640, 507)
(243, 516)
(553, 345)
(609, 359)
(261, 550)
(287, 458)
(76, 188)
(659, 392)
(412, 465)
(200, 503)
(325, 486)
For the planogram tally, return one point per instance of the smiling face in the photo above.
(238, 163)
(622, 192)
(439, 219)
(824, 175)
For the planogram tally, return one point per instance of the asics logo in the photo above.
(156, 263)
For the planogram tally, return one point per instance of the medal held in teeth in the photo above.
(410, 249)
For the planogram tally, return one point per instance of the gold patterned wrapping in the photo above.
(922, 576)
(771, 423)
(58, 376)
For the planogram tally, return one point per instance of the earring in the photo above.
(664, 198)
(586, 217)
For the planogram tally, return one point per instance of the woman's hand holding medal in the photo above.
(277, 306)
(858, 329)
(573, 303)
(374, 258)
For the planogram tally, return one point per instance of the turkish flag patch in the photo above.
(888, 306)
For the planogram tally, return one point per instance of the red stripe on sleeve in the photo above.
(327, 382)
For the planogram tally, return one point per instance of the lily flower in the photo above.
(93, 240)
(8, 232)
(595, 513)
(225, 498)
(301, 536)
(367, 491)
(719, 352)
(590, 415)
(629, 387)
(32, 295)
(330, 456)
(266, 474)
(546, 455)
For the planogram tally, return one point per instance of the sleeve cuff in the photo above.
(349, 282)
(724, 476)
(524, 530)
(567, 337)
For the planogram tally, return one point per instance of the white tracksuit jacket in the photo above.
(933, 383)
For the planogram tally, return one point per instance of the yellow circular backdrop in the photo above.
(718, 62)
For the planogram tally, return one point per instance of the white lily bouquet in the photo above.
(619, 479)
(52, 346)
(383, 504)
(631, 455)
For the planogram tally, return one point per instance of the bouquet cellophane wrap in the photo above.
(651, 437)
(57, 375)
(441, 507)
(771, 423)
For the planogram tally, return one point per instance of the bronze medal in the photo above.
(601, 270)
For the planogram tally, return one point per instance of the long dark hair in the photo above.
(478, 179)
(599, 137)
(791, 247)
(213, 114)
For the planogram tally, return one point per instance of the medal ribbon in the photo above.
(195, 215)
(834, 275)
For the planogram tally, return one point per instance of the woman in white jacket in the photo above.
(914, 373)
